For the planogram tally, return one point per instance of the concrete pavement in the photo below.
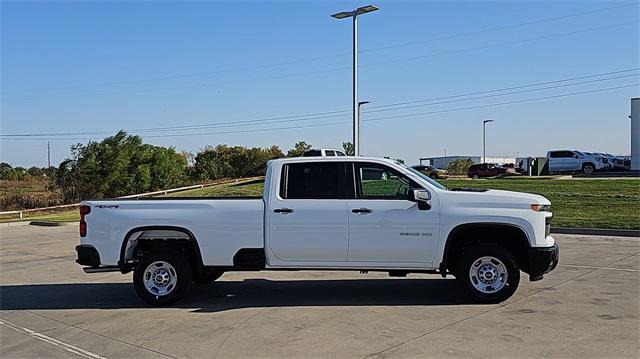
(588, 307)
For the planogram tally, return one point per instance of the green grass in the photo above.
(590, 203)
(240, 189)
(64, 216)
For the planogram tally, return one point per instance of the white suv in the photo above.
(322, 152)
(574, 161)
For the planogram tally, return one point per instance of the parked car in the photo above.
(616, 163)
(485, 170)
(322, 152)
(574, 161)
(317, 213)
(431, 171)
(607, 166)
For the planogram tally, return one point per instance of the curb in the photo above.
(50, 224)
(597, 231)
(14, 224)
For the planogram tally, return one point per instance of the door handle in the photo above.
(283, 210)
(361, 210)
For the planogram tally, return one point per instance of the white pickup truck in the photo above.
(324, 213)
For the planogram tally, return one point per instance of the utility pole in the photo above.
(356, 107)
(48, 155)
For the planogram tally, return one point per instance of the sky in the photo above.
(265, 73)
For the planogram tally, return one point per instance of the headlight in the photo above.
(541, 207)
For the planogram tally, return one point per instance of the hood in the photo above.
(498, 197)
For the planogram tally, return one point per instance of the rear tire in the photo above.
(488, 273)
(476, 177)
(162, 277)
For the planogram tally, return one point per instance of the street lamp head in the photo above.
(359, 11)
(366, 9)
(342, 15)
(488, 120)
(363, 103)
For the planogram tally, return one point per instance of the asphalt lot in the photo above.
(588, 307)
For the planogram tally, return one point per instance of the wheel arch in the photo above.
(512, 236)
(182, 235)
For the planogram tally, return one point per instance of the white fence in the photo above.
(21, 213)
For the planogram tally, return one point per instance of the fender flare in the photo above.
(124, 268)
(466, 226)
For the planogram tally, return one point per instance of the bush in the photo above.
(460, 166)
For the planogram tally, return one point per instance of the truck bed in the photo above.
(221, 226)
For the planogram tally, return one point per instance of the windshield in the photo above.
(425, 177)
(580, 153)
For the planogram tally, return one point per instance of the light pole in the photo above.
(360, 103)
(484, 140)
(356, 107)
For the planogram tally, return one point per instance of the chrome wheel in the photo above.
(488, 275)
(160, 278)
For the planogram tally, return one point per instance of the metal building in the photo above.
(443, 162)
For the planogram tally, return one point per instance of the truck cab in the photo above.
(325, 213)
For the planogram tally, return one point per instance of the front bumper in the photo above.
(542, 260)
(87, 256)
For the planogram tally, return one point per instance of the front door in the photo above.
(384, 226)
(308, 220)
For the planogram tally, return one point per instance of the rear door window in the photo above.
(314, 180)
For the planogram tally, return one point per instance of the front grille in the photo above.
(547, 226)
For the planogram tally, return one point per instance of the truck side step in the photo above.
(101, 269)
(395, 273)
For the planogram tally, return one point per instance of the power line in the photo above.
(284, 63)
(379, 108)
(369, 120)
(329, 70)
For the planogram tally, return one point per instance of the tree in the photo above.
(35, 171)
(348, 148)
(298, 149)
(117, 166)
(225, 161)
(459, 166)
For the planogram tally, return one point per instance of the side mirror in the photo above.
(421, 197)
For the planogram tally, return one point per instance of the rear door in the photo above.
(384, 226)
(308, 217)
(555, 161)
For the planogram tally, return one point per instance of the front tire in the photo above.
(488, 273)
(162, 277)
(588, 169)
(476, 177)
